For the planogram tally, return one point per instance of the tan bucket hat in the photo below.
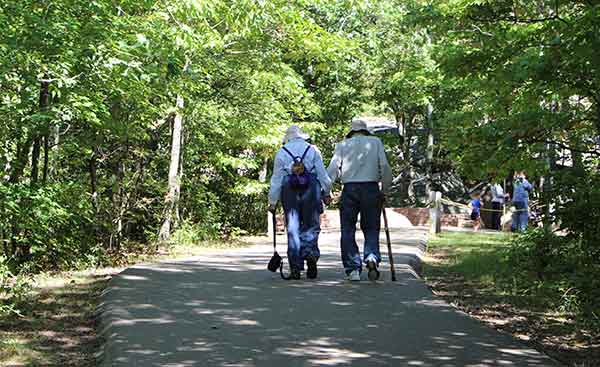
(358, 125)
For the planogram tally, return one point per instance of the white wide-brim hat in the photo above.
(358, 124)
(294, 132)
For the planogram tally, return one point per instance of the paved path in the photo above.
(226, 309)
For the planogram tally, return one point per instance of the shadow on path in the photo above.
(228, 310)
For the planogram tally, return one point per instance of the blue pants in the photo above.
(302, 215)
(363, 198)
(520, 217)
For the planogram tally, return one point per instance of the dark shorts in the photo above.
(474, 215)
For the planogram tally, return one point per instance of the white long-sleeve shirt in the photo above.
(313, 162)
(497, 194)
(360, 158)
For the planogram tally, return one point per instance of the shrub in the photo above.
(45, 227)
(561, 270)
(13, 289)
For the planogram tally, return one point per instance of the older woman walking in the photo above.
(300, 182)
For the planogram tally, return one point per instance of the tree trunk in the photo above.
(410, 122)
(45, 138)
(262, 174)
(20, 160)
(546, 186)
(405, 121)
(94, 179)
(429, 147)
(174, 183)
(54, 156)
(117, 202)
(35, 157)
(598, 115)
(178, 191)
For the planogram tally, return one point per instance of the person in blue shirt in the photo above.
(520, 200)
(475, 206)
(301, 204)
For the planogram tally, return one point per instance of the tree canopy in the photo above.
(125, 121)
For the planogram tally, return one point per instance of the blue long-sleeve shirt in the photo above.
(521, 190)
(313, 162)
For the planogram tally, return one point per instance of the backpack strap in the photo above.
(290, 153)
(305, 151)
(296, 157)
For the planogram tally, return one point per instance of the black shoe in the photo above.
(295, 274)
(311, 263)
(373, 272)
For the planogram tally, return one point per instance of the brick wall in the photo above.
(400, 217)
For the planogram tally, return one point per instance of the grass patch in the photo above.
(473, 255)
(473, 272)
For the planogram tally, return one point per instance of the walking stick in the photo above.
(389, 245)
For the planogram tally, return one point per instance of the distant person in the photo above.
(300, 182)
(359, 161)
(475, 206)
(520, 200)
(497, 205)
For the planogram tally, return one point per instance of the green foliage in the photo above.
(89, 94)
(13, 289)
(190, 234)
(50, 230)
(578, 211)
(554, 265)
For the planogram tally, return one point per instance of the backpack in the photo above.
(299, 179)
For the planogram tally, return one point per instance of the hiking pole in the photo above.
(273, 217)
(389, 245)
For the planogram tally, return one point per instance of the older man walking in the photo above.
(300, 181)
(361, 164)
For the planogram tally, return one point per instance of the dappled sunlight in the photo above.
(134, 277)
(519, 352)
(228, 310)
(155, 321)
(323, 352)
(55, 327)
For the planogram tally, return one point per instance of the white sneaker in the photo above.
(354, 276)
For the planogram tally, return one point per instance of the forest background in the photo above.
(126, 123)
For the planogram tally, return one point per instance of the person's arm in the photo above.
(276, 180)
(384, 169)
(526, 185)
(335, 165)
(322, 174)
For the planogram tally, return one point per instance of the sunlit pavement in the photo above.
(226, 309)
